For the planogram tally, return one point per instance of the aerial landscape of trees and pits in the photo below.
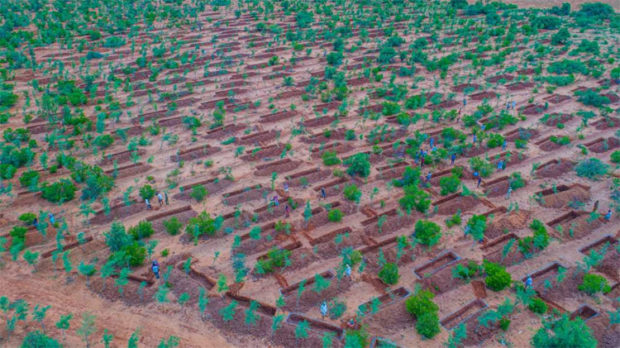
(326, 173)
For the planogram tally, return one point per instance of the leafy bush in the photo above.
(482, 166)
(420, 303)
(615, 156)
(537, 306)
(568, 66)
(97, 182)
(592, 98)
(546, 22)
(143, 229)
(358, 165)
(495, 140)
(58, 192)
(117, 238)
(29, 178)
(7, 171)
(352, 193)
(147, 192)
(427, 232)
(564, 333)
(596, 11)
(497, 278)
(357, 338)
(39, 339)
(561, 37)
(390, 108)
(422, 307)
(173, 226)
(7, 99)
(428, 325)
(411, 176)
(27, 218)
(198, 193)
(334, 215)
(516, 181)
(132, 254)
(18, 233)
(103, 141)
(591, 168)
(330, 158)
(537, 242)
(275, 258)
(336, 309)
(466, 273)
(449, 184)
(389, 273)
(476, 226)
(415, 198)
(593, 284)
(202, 224)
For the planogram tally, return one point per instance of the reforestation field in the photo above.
(330, 173)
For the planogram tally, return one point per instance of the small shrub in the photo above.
(27, 218)
(415, 198)
(427, 232)
(275, 258)
(7, 171)
(593, 284)
(336, 309)
(172, 226)
(449, 184)
(389, 273)
(428, 325)
(495, 140)
(201, 225)
(18, 233)
(58, 192)
(147, 192)
(538, 306)
(143, 229)
(29, 178)
(504, 323)
(352, 193)
(334, 215)
(199, 193)
(358, 165)
(466, 273)
(330, 158)
(482, 166)
(592, 98)
(497, 278)
(591, 168)
(516, 181)
(615, 156)
(420, 303)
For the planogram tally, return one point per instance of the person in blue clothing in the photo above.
(323, 309)
(323, 194)
(608, 215)
(52, 218)
(528, 282)
(155, 268)
(452, 158)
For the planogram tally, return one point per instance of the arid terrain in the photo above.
(309, 174)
